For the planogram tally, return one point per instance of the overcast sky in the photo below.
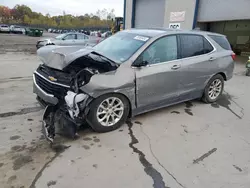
(75, 7)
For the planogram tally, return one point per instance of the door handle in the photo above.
(212, 58)
(175, 67)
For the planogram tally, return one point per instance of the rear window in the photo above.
(222, 41)
(3, 26)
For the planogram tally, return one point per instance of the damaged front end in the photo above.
(58, 81)
(65, 117)
(78, 84)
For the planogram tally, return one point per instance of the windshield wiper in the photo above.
(105, 58)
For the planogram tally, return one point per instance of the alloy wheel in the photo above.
(215, 89)
(110, 111)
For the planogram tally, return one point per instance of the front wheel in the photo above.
(50, 44)
(108, 112)
(214, 89)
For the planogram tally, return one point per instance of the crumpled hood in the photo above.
(59, 57)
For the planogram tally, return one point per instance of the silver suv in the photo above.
(133, 72)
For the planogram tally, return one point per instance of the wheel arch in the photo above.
(223, 75)
(204, 96)
(219, 73)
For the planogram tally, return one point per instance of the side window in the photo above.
(194, 45)
(70, 37)
(191, 45)
(207, 46)
(162, 50)
(222, 41)
(82, 37)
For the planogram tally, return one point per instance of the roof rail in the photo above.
(159, 28)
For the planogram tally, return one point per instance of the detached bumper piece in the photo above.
(56, 121)
(48, 123)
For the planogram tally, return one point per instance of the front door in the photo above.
(157, 83)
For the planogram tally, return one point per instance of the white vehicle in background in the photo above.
(106, 34)
(4, 29)
(96, 33)
(17, 29)
(69, 39)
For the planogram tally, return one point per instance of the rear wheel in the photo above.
(248, 72)
(213, 89)
(108, 112)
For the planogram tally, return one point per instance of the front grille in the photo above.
(50, 88)
(61, 76)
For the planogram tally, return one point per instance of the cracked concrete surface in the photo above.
(159, 150)
(153, 154)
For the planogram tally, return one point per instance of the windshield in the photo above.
(121, 46)
(59, 37)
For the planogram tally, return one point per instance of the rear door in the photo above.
(197, 65)
(225, 55)
(157, 83)
(81, 39)
(68, 40)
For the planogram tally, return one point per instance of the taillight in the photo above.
(233, 56)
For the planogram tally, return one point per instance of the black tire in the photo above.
(50, 44)
(92, 115)
(206, 98)
(248, 72)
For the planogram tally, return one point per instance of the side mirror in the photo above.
(141, 64)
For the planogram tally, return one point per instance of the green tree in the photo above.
(27, 19)
(24, 14)
(20, 11)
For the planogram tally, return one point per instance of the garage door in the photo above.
(149, 13)
(217, 10)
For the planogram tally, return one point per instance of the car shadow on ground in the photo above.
(182, 108)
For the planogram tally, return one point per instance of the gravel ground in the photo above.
(20, 43)
(189, 145)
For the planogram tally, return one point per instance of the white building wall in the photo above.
(128, 14)
(170, 6)
(179, 6)
(209, 11)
